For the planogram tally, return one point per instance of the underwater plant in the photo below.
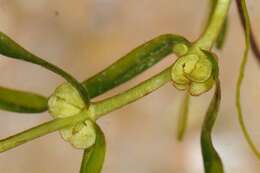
(75, 114)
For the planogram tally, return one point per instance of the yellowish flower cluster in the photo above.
(66, 102)
(195, 72)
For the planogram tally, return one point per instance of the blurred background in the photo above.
(85, 36)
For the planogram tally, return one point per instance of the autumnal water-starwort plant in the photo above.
(195, 72)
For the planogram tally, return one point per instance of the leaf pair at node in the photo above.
(72, 99)
(66, 102)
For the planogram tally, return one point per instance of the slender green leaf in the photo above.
(240, 80)
(212, 161)
(21, 101)
(93, 158)
(183, 117)
(121, 71)
(11, 49)
(134, 63)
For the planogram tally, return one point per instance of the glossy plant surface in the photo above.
(195, 71)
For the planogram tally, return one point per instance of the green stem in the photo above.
(135, 62)
(240, 80)
(105, 106)
(40, 130)
(183, 117)
(100, 108)
(209, 36)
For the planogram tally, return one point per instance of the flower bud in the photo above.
(81, 136)
(66, 102)
(195, 72)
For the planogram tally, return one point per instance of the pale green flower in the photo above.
(66, 102)
(195, 72)
(81, 135)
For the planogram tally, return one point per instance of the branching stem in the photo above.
(110, 104)
(101, 108)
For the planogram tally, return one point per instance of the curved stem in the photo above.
(240, 80)
(11, 49)
(211, 158)
(103, 107)
(209, 36)
(135, 62)
(100, 108)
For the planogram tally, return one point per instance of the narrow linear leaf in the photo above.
(21, 101)
(240, 80)
(11, 49)
(134, 63)
(211, 159)
(183, 117)
(121, 71)
(93, 158)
